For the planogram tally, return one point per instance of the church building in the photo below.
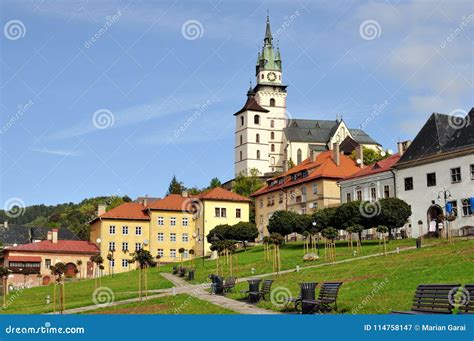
(268, 139)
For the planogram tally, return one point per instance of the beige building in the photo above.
(305, 188)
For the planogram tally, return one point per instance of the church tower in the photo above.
(259, 124)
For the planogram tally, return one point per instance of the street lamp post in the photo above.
(445, 194)
(317, 243)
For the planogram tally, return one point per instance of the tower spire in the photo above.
(268, 32)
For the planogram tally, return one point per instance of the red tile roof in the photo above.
(323, 167)
(378, 167)
(128, 210)
(24, 259)
(172, 202)
(219, 193)
(62, 246)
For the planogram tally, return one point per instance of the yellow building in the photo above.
(303, 189)
(164, 226)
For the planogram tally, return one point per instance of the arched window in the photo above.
(241, 120)
(256, 119)
(241, 139)
(262, 75)
(272, 102)
(257, 138)
(272, 160)
(258, 154)
(272, 123)
(240, 155)
(272, 147)
(272, 135)
(298, 156)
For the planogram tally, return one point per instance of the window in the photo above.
(112, 263)
(261, 219)
(237, 212)
(124, 263)
(241, 139)
(47, 263)
(272, 147)
(185, 237)
(138, 230)
(173, 253)
(257, 138)
(348, 197)
(240, 155)
(173, 221)
(472, 172)
(454, 205)
(408, 184)
(160, 252)
(186, 253)
(124, 246)
(256, 119)
(280, 198)
(220, 212)
(112, 229)
(315, 188)
(373, 193)
(185, 221)
(111, 246)
(241, 120)
(386, 191)
(272, 160)
(272, 124)
(172, 237)
(359, 195)
(303, 190)
(138, 246)
(125, 230)
(431, 179)
(161, 221)
(272, 135)
(298, 156)
(260, 205)
(272, 102)
(466, 207)
(161, 237)
(455, 175)
(258, 154)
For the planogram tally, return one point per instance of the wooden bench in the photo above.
(327, 298)
(432, 299)
(229, 284)
(468, 306)
(265, 290)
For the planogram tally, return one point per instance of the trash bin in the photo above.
(308, 292)
(191, 274)
(418, 243)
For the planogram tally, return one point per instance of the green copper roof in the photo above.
(267, 59)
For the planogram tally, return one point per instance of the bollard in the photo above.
(297, 268)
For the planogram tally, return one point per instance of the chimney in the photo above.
(336, 156)
(55, 236)
(145, 200)
(312, 155)
(5, 224)
(185, 194)
(50, 235)
(403, 146)
(359, 154)
(101, 208)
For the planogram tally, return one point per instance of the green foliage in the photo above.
(144, 258)
(370, 156)
(348, 214)
(324, 218)
(290, 163)
(394, 212)
(382, 229)
(175, 187)
(276, 239)
(215, 182)
(329, 233)
(246, 185)
(285, 222)
(222, 245)
(239, 232)
(4, 272)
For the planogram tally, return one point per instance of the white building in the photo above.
(266, 137)
(438, 168)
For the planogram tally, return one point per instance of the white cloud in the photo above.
(58, 152)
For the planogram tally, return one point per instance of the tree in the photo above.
(382, 230)
(325, 217)
(245, 185)
(58, 270)
(394, 213)
(371, 156)
(284, 222)
(4, 275)
(330, 233)
(175, 187)
(145, 260)
(276, 239)
(242, 232)
(215, 182)
(220, 231)
(79, 265)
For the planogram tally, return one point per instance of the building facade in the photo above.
(165, 226)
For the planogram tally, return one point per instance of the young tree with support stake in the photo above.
(383, 230)
(58, 271)
(4, 275)
(330, 233)
(145, 260)
(276, 239)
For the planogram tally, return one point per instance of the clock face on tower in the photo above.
(271, 76)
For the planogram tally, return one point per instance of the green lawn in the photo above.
(379, 284)
(78, 294)
(178, 304)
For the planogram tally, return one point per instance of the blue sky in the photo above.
(165, 96)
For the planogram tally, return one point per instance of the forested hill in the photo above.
(69, 215)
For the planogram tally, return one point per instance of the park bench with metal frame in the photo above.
(468, 300)
(327, 299)
(432, 299)
(229, 284)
